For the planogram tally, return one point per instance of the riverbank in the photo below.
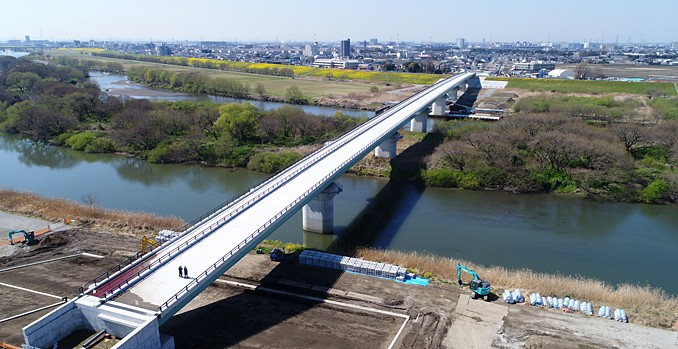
(310, 92)
(319, 309)
(87, 216)
(644, 304)
(325, 90)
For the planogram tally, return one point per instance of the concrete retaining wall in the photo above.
(56, 325)
(146, 335)
(138, 327)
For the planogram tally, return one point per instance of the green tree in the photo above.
(205, 117)
(22, 81)
(238, 121)
(414, 67)
(294, 95)
(81, 105)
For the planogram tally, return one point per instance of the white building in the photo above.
(311, 50)
(336, 63)
(561, 74)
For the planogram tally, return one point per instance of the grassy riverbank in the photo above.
(261, 68)
(89, 216)
(644, 304)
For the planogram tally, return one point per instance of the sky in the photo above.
(609, 21)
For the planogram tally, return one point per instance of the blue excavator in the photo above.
(479, 287)
(29, 237)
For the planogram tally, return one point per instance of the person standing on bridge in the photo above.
(185, 272)
(180, 272)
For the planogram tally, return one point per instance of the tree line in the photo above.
(59, 104)
(89, 65)
(200, 63)
(544, 152)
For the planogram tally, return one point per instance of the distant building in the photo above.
(345, 48)
(461, 42)
(336, 63)
(311, 50)
(561, 74)
(28, 39)
(674, 44)
(374, 41)
(534, 66)
(163, 50)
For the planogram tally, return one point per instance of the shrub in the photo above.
(654, 191)
(294, 95)
(553, 179)
(235, 156)
(81, 140)
(272, 162)
(665, 107)
(469, 181)
(100, 145)
(454, 129)
(159, 154)
(62, 138)
(440, 178)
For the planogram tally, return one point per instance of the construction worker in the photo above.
(180, 272)
(185, 272)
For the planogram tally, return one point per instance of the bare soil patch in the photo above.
(225, 316)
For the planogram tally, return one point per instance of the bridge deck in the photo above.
(161, 284)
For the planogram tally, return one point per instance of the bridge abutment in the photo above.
(318, 215)
(387, 149)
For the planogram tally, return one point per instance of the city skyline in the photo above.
(272, 21)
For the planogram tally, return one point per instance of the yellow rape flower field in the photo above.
(313, 82)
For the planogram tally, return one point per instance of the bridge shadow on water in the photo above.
(378, 223)
(466, 100)
(229, 321)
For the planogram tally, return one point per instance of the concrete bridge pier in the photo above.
(387, 149)
(453, 93)
(419, 122)
(438, 108)
(318, 215)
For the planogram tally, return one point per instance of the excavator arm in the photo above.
(477, 285)
(461, 268)
(146, 242)
(29, 236)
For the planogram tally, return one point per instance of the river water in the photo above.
(615, 242)
(120, 85)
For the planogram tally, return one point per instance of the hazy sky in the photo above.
(326, 20)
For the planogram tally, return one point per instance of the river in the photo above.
(117, 84)
(615, 242)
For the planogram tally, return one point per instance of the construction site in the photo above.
(284, 304)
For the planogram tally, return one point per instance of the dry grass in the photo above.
(645, 305)
(90, 216)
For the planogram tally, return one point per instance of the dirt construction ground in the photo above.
(263, 304)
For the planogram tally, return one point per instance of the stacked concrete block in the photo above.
(354, 265)
(166, 235)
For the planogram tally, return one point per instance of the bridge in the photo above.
(132, 301)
